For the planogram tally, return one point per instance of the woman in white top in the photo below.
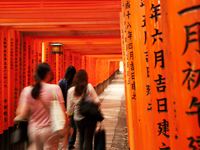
(85, 126)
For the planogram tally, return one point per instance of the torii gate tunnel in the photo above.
(159, 47)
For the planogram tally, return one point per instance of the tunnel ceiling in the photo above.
(90, 27)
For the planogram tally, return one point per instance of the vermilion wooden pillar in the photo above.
(142, 77)
(17, 70)
(5, 78)
(130, 123)
(158, 75)
(126, 9)
(11, 80)
(98, 71)
(24, 68)
(28, 64)
(32, 69)
(1, 82)
(182, 33)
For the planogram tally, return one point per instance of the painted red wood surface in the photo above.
(21, 52)
(143, 86)
(129, 107)
(11, 80)
(17, 70)
(1, 82)
(182, 44)
(5, 78)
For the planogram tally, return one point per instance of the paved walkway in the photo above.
(113, 108)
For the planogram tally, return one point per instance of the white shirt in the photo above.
(73, 102)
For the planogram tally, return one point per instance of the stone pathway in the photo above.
(114, 110)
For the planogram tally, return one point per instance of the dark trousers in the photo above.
(72, 139)
(86, 131)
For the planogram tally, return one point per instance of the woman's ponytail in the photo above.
(41, 73)
(36, 90)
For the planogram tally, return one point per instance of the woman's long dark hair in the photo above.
(41, 72)
(69, 74)
(80, 82)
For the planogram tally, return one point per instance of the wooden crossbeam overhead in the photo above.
(72, 33)
(60, 27)
(90, 27)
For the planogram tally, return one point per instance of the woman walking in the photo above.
(65, 84)
(39, 127)
(85, 126)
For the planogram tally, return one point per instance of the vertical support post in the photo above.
(158, 76)
(182, 39)
(129, 107)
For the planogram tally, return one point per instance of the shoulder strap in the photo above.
(45, 106)
(54, 97)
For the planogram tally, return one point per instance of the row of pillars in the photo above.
(161, 53)
(20, 56)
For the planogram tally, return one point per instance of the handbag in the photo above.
(100, 139)
(20, 134)
(89, 109)
(56, 114)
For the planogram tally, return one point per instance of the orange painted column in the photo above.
(142, 75)
(62, 70)
(24, 71)
(83, 63)
(134, 60)
(68, 57)
(17, 70)
(98, 71)
(134, 68)
(157, 73)
(1, 81)
(94, 72)
(39, 47)
(128, 93)
(5, 66)
(46, 52)
(28, 63)
(64, 59)
(32, 69)
(57, 72)
(25, 63)
(34, 58)
(11, 80)
(89, 69)
(53, 67)
(182, 33)
(59, 67)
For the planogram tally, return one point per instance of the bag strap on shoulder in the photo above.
(45, 106)
(54, 97)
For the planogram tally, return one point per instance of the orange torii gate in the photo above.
(162, 41)
(21, 54)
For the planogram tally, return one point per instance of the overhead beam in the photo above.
(61, 15)
(72, 33)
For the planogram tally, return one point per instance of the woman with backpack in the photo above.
(85, 126)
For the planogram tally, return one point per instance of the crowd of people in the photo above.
(69, 91)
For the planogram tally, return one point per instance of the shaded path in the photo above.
(114, 110)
